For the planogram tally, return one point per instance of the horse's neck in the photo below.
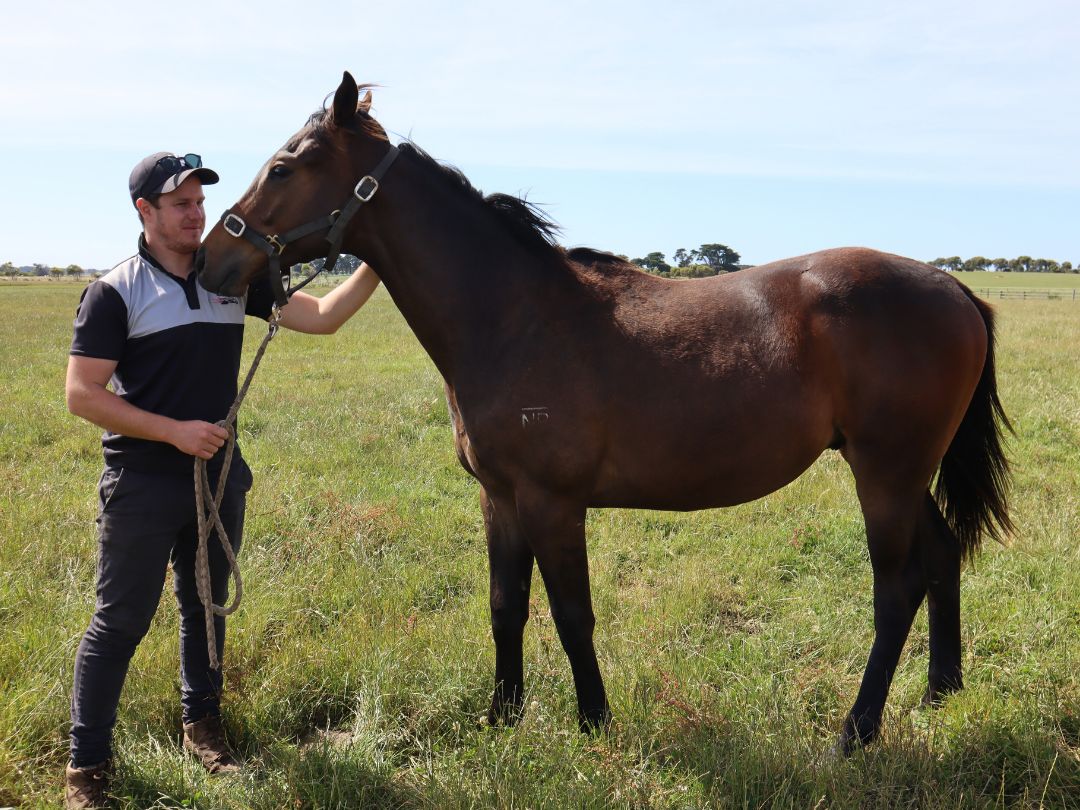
(460, 279)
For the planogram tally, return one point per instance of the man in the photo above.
(172, 353)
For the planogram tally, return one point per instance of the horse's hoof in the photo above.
(505, 713)
(594, 722)
(501, 718)
(835, 753)
(506, 705)
(851, 740)
(933, 698)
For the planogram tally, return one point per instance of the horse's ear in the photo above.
(345, 99)
(365, 104)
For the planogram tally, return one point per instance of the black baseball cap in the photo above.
(163, 172)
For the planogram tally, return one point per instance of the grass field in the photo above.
(360, 662)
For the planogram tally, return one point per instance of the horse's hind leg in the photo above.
(899, 587)
(510, 562)
(941, 567)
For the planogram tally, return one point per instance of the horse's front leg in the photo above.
(510, 561)
(556, 531)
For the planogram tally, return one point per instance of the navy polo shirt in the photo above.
(176, 346)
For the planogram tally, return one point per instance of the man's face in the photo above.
(178, 221)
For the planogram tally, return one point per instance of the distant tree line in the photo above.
(1021, 264)
(708, 260)
(346, 264)
(13, 271)
(714, 258)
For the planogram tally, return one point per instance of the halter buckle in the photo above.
(366, 189)
(279, 247)
(233, 225)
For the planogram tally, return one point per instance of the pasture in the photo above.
(358, 666)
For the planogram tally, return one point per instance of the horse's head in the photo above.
(314, 174)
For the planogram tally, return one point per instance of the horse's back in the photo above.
(737, 383)
(844, 297)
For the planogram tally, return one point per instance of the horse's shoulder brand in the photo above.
(534, 416)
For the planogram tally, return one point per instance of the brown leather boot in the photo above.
(206, 740)
(84, 788)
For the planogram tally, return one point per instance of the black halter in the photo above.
(335, 222)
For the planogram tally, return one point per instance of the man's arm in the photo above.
(323, 316)
(88, 397)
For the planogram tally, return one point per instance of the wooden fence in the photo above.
(1061, 294)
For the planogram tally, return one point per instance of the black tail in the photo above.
(972, 484)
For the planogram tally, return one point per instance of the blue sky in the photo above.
(778, 128)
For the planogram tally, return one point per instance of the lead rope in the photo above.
(207, 504)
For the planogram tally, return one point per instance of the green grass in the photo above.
(360, 662)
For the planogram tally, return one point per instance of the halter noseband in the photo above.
(335, 222)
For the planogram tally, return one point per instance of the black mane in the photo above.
(591, 256)
(524, 219)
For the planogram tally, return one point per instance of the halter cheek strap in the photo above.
(335, 223)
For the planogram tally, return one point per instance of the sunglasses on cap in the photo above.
(174, 164)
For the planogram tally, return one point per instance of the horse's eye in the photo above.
(279, 172)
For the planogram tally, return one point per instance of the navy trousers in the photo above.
(147, 521)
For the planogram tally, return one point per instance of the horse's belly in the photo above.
(688, 494)
(681, 471)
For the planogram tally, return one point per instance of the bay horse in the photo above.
(574, 380)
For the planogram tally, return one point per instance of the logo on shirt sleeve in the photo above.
(224, 299)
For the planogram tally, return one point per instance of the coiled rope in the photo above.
(207, 504)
